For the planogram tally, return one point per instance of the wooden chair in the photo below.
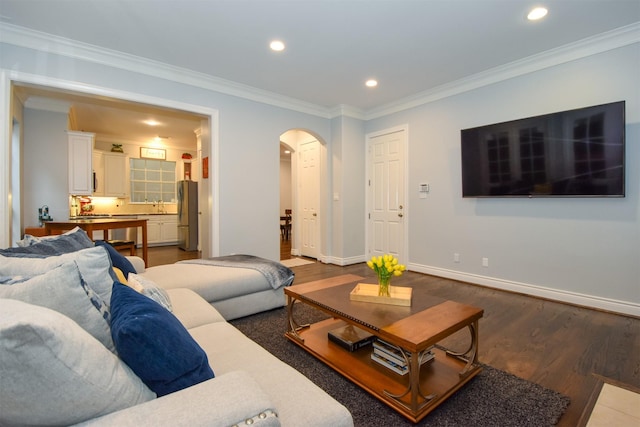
(124, 244)
(285, 229)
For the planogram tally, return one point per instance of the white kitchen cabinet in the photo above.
(111, 174)
(80, 147)
(161, 230)
(116, 175)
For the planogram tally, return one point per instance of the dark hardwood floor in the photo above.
(285, 249)
(559, 346)
(161, 255)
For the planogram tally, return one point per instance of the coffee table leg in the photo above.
(413, 363)
(294, 327)
(470, 355)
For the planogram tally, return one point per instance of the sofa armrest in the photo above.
(225, 400)
(137, 262)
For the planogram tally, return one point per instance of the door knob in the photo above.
(400, 215)
(315, 214)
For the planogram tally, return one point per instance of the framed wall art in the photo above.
(153, 153)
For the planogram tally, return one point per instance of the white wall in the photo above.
(46, 176)
(348, 190)
(575, 247)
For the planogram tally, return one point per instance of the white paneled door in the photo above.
(386, 152)
(309, 196)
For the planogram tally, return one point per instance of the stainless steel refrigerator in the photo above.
(188, 215)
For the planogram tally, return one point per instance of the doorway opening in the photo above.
(67, 91)
(286, 201)
(301, 189)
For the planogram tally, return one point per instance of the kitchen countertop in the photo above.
(145, 214)
(107, 216)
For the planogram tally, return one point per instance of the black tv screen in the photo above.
(575, 153)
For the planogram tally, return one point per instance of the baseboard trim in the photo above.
(590, 301)
(342, 261)
(573, 298)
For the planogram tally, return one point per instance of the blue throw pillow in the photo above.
(117, 259)
(154, 344)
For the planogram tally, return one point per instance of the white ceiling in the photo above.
(333, 46)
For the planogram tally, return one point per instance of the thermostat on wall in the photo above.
(423, 189)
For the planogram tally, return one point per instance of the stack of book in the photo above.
(391, 356)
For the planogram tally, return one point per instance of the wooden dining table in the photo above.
(104, 224)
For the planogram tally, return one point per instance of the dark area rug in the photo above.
(492, 398)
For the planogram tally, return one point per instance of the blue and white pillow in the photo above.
(62, 289)
(94, 264)
(54, 373)
(150, 289)
(29, 240)
(57, 245)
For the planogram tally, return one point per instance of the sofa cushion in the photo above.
(63, 289)
(149, 288)
(213, 283)
(137, 262)
(191, 309)
(94, 264)
(154, 343)
(55, 373)
(61, 244)
(233, 399)
(299, 401)
(117, 259)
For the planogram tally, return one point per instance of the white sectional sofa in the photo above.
(250, 383)
(233, 291)
(60, 363)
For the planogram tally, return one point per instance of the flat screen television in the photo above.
(575, 153)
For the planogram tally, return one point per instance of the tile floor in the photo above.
(615, 407)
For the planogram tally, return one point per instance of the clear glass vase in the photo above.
(383, 286)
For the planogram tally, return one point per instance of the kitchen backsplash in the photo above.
(113, 206)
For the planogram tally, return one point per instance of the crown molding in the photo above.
(600, 43)
(44, 42)
(31, 39)
(346, 110)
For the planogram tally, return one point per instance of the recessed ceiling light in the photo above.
(371, 83)
(537, 13)
(151, 122)
(277, 45)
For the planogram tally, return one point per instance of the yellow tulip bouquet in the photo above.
(385, 267)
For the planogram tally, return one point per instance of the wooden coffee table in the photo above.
(415, 329)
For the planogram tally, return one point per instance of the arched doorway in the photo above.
(307, 155)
